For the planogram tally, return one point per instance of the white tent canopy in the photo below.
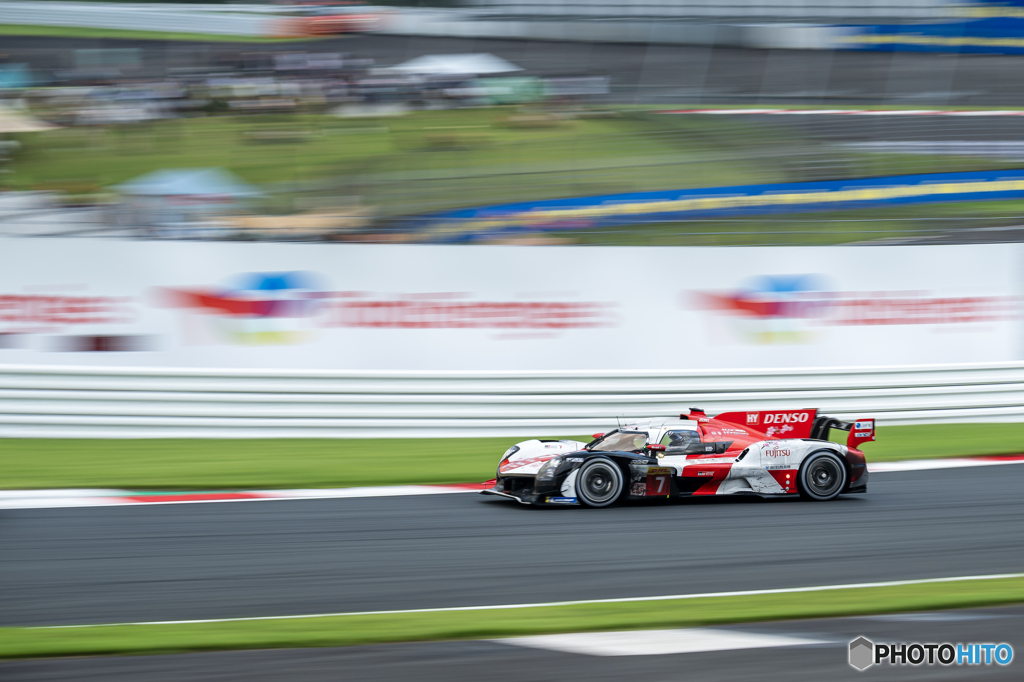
(12, 121)
(455, 65)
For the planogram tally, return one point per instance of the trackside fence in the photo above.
(48, 401)
(168, 17)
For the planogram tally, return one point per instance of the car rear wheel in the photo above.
(822, 476)
(599, 483)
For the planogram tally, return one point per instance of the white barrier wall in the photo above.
(79, 302)
(169, 17)
(743, 10)
(166, 403)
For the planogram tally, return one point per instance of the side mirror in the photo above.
(656, 448)
(598, 435)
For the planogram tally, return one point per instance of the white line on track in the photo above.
(56, 499)
(930, 464)
(501, 607)
(656, 642)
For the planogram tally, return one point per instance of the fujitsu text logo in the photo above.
(777, 452)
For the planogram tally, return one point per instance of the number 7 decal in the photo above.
(658, 481)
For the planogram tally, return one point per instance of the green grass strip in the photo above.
(83, 32)
(353, 630)
(248, 464)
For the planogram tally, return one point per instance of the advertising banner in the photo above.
(445, 308)
(970, 27)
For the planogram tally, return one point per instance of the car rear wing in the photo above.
(804, 423)
(861, 431)
(775, 423)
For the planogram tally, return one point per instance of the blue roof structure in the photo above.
(197, 182)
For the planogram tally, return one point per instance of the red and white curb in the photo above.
(849, 112)
(93, 497)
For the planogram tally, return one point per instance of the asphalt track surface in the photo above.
(241, 559)
(496, 662)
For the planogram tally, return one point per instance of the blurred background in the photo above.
(341, 250)
(367, 123)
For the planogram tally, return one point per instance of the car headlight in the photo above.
(547, 472)
(508, 453)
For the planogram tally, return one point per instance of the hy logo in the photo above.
(773, 309)
(862, 653)
(256, 308)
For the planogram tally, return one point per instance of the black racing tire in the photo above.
(599, 483)
(822, 476)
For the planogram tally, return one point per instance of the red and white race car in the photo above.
(768, 452)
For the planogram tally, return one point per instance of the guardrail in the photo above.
(65, 402)
(697, 22)
(214, 20)
(743, 10)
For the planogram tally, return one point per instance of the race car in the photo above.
(763, 453)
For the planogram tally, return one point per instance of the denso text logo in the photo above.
(786, 418)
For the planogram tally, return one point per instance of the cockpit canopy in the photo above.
(620, 441)
(680, 438)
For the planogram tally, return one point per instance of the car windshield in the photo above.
(621, 441)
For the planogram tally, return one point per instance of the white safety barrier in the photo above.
(215, 20)
(471, 24)
(737, 23)
(741, 10)
(47, 401)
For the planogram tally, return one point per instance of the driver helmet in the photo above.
(676, 439)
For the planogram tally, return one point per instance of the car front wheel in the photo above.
(599, 483)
